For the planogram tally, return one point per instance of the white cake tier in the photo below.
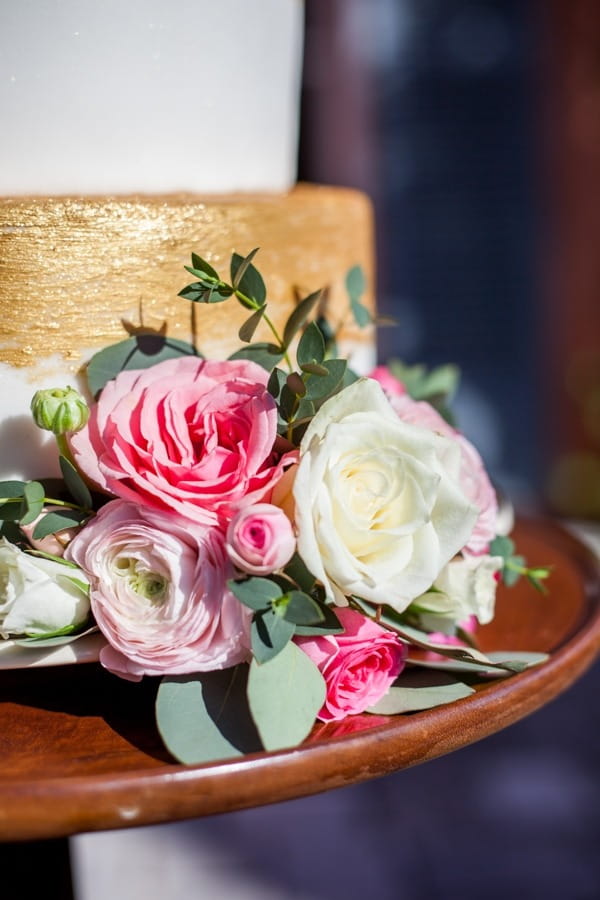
(149, 96)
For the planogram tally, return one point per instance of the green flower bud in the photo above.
(59, 410)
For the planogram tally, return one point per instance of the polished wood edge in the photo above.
(169, 793)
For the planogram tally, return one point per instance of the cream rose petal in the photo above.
(379, 507)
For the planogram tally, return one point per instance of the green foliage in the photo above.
(205, 717)
(356, 286)
(138, 352)
(281, 609)
(515, 565)
(412, 699)
(285, 694)
(437, 386)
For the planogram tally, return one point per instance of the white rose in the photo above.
(465, 587)
(37, 595)
(379, 508)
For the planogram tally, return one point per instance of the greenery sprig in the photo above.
(515, 565)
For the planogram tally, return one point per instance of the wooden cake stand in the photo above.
(80, 751)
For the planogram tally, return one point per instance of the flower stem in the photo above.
(252, 304)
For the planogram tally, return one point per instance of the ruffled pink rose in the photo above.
(260, 539)
(473, 478)
(188, 435)
(158, 593)
(358, 666)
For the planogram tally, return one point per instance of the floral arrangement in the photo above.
(275, 539)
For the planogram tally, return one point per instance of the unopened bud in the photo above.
(59, 410)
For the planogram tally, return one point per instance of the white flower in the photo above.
(38, 596)
(465, 587)
(379, 508)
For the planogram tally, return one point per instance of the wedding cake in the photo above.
(145, 132)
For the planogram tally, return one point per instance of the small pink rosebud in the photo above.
(260, 539)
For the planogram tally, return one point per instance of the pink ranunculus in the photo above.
(358, 666)
(473, 477)
(391, 385)
(260, 539)
(192, 436)
(159, 594)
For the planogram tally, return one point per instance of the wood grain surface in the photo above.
(80, 751)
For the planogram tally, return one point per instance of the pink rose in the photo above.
(158, 593)
(391, 385)
(358, 666)
(473, 477)
(260, 539)
(188, 435)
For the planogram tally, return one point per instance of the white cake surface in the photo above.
(149, 96)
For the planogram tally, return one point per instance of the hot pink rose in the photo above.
(473, 478)
(260, 539)
(192, 436)
(158, 593)
(358, 665)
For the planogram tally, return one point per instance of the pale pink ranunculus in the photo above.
(358, 666)
(473, 476)
(192, 436)
(260, 539)
(159, 593)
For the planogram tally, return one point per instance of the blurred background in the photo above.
(475, 129)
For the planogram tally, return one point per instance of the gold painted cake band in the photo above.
(82, 272)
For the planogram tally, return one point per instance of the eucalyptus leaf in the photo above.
(246, 332)
(437, 384)
(33, 501)
(76, 486)
(255, 593)
(201, 265)
(356, 283)
(299, 316)
(411, 699)
(314, 369)
(298, 572)
(139, 352)
(65, 636)
(277, 379)
(361, 314)
(301, 609)
(11, 490)
(421, 639)
(330, 624)
(263, 354)
(311, 346)
(502, 546)
(500, 664)
(205, 717)
(321, 388)
(239, 266)
(296, 384)
(58, 520)
(269, 634)
(287, 403)
(12, 500)
(285, 695)
(11, 531)
(251, 283)
(201, 292)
